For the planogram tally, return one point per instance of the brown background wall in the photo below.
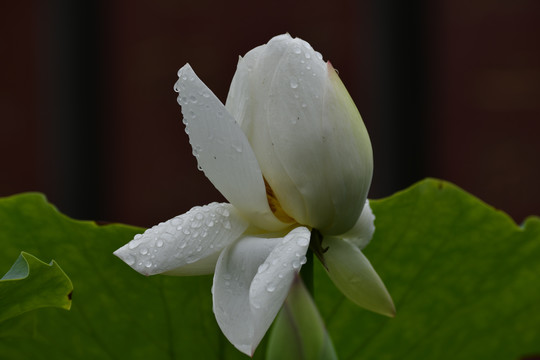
(88, 115)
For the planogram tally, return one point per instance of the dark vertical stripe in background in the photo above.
(71, 111)
(400, 106)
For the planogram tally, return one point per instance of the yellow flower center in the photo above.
(275, 206)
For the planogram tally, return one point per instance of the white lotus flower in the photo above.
(291, 154)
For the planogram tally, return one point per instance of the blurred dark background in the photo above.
(447, 89)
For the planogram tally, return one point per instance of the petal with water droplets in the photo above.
(252, 280)
(223, 151)
(354, 275)
(188, 244)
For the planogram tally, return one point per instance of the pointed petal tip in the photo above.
(388, 308)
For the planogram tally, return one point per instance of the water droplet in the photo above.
(220, 113)
(303, 260)
(227, 225)
(133, 244)
(237, 147)
(159, 243)
(186, 231)
(302, 241)
(192, 114)
(297, 50)
(307, 55)
(137, 237)
(205, 94)
(144, 251)
(227, 276)
(148, 264)
(293, 120)
(308, 67)
(193, 99)
(304, 106)
(262, 268)
(183, 245)
(296, 264)
(199, 167)
(199, 249)
(210, 223)
(199, 216)
(130, 260)
(270, 288)
(294, 83)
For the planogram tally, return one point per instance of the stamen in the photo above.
(275, 206)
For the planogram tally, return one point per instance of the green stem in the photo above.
(306, 273)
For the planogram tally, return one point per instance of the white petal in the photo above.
(188, 244)
(353, 274)
(252, 279)
(223, 151)
(309, 138)
(362, 232)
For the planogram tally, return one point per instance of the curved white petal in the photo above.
(309, 138)
(353, 274)
(188, 244)
(251, 282)
(223, 151)
(362, 232)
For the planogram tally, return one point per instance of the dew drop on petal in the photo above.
(296, 264)
(144, 251)
(294, 83)
(159, 243)
(302, 241)
(297, 50)
(262, 268)
(270, 288)
(130, 260)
